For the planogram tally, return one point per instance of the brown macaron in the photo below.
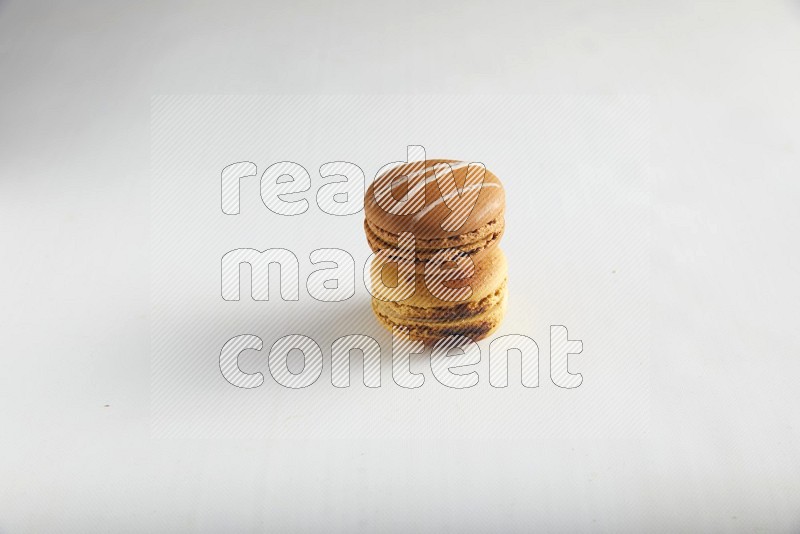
(429, 318)
(445, 204)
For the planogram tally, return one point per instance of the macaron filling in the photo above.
(474, 326)
(469, 243)
(446, 313)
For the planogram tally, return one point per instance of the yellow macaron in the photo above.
(429, 318)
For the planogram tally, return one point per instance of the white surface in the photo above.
(577, 241)
(722, 451)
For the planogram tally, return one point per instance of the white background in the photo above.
(722, 451)
(577, 241)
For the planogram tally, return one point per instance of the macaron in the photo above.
(429, 317)
(445, 204)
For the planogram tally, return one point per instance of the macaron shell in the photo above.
(426, 223)
(488, 275)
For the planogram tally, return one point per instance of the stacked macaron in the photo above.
(456, 224)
